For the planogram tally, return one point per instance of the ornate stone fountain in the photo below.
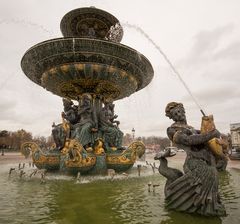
(90, 66)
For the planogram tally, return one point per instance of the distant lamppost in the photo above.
(133, 133)
(3, 150)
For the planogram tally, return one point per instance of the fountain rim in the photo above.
(84, 38)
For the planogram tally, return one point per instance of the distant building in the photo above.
(235, 135)
(152, 148)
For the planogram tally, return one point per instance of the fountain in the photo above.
(90, 66)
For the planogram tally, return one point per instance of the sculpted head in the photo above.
(67, 103)
(112, 106)
(86, 98)
(176, 112)
(109, 103)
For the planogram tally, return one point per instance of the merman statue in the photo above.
(196, 189)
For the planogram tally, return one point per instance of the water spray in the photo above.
(139, 169)
(27, 23)
(168, 61)
(10, 171)
(149, 186)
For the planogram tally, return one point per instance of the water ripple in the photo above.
(102, 200)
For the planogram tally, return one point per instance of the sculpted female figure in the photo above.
(195, 190)
(111, 133)
(87, 123)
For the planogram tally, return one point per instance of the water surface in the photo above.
(62, 199)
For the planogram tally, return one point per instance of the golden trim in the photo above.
(98, 147)
(43, 158)
(128, 156)
(47, 160)
(86, 162)
(74, 149)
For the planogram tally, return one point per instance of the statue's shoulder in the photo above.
(171, 131)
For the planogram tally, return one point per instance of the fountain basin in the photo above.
(69, 67)
(91, 21)
(75, 158)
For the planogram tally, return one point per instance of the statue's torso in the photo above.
(200, 151)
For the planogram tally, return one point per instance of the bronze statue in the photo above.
(87, 123)
(112, 115)
(112, 135)
(70, 117)
(82, 124)
(195, 190)
(70, 111)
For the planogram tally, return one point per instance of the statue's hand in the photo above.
(94, 129)
(63, 115)
(219, 141)
(222, 142)
(215, 133)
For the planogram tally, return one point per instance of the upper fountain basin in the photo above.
(91, 22)
(69, 67)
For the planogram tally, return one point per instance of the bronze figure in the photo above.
(195, 190)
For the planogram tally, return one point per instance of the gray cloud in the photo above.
(217, 95)
(7, 109)
(231, 52)
(205, 45)
(208, 40)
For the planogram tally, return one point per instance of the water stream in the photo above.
(22, 22)
(27, 23)
(139, 29)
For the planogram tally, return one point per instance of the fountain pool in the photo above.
(62, 199)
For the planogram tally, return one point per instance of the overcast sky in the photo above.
(201, 38)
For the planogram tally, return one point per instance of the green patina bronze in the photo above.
(90, 66)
